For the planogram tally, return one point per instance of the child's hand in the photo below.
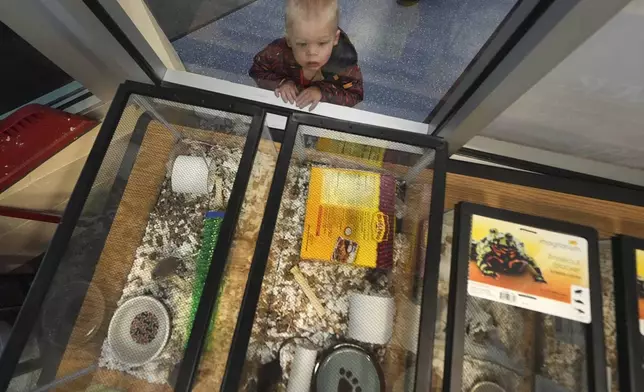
(310, 96)
(287, 91)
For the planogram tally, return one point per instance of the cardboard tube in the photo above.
(405, 333)
(302, 369)
(190, 175)
(371, 318)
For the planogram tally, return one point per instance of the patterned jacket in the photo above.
(342, 83)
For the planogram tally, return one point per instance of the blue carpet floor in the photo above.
(410, 56)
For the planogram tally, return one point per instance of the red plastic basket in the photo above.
(33, 134)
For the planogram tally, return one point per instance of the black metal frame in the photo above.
(30, 310)
(209, 296)
(53, 355)
(31, 307)
(241, 337)
(454, 346)
(629, 339)
(244, 325)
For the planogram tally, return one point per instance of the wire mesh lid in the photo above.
(348, 367)
(59, 315)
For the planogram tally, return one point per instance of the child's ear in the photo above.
(337, 37)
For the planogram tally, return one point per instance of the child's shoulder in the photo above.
(278, 45)
(344, 54)
(277, 48)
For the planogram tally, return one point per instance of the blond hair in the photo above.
(310, 9)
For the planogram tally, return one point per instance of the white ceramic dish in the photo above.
(487, 386)
(124, 347)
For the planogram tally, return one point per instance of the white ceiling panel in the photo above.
(592, 104)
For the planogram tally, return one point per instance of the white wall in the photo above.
(592, 104)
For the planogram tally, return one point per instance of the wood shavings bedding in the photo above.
(284, 311)
(174, 229)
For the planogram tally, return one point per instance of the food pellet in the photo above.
(144, 327)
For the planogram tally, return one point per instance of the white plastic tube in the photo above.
(302, 369)
(190, 175)
(371, 318)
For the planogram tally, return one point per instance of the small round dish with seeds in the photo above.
(139, 330)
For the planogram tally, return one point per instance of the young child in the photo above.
(314, 62)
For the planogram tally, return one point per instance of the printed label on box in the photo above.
(370, 155)
(350, 218)
(639, 259)
(530, 268)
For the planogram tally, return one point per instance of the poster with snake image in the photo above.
(530, 268)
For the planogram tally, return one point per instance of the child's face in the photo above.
(312, 42)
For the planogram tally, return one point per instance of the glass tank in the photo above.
(336, 302)
(119, 310)
(208, 256)
(525, 305)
